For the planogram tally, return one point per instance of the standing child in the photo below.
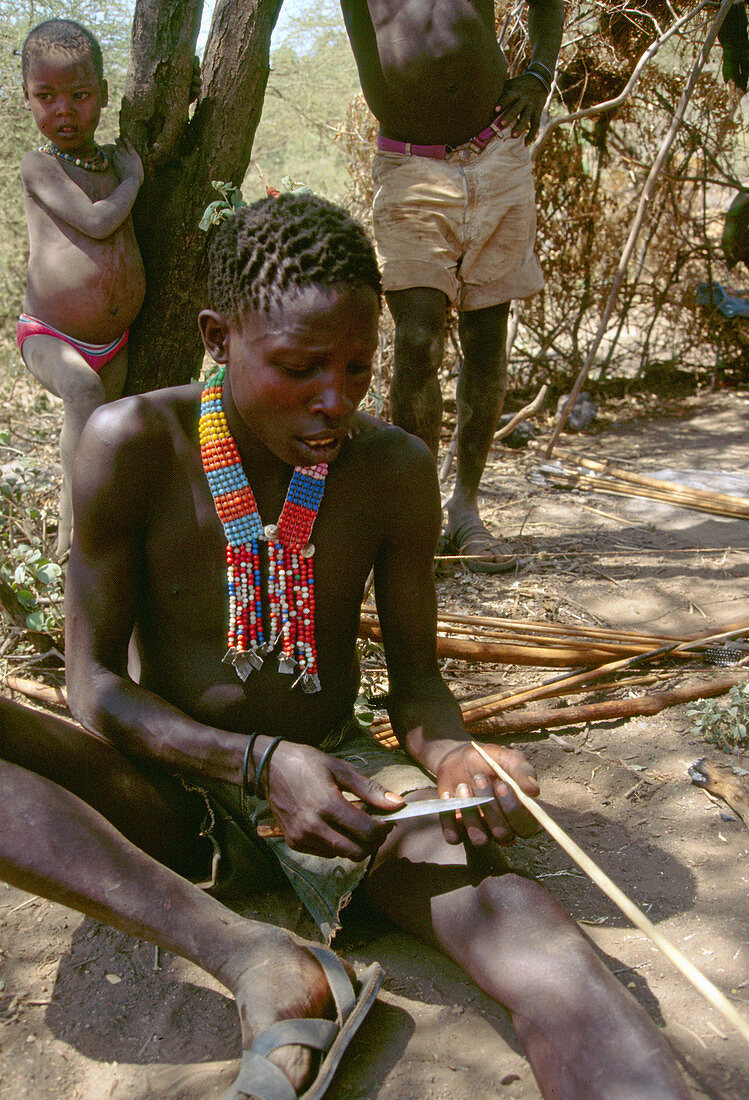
(85, 279)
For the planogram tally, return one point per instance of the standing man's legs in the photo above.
(482, 386)
(416, 402)
(415, 395)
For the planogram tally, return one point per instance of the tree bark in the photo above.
(181, 155)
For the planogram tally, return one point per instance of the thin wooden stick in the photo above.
(522, 414)
(702, 984)
(56, 696)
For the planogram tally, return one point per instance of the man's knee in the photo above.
(419, 343)
(545, 941)
(419, 316)
(517, 899)
(483, 338)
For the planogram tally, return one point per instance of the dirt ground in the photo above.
(86, 1012)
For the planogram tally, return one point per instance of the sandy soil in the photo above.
(87, 1012)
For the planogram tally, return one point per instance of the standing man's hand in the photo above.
(521, 104)
(463, 773)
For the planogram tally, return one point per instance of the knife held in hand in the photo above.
(424, 808)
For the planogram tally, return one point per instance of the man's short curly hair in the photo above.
(288, 242)
(61, 36)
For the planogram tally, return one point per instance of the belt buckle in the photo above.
(459, 151)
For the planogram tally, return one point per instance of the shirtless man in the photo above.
(166, 526)
(85, 280)
(454, 214)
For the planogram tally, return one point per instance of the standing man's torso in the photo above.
(430, 70)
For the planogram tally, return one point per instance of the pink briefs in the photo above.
(96, 355)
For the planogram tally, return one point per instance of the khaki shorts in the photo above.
(245, 864)
(465, 225)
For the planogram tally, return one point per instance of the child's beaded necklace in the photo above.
(99, 162)
(291, 582)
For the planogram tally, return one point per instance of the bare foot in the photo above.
(274, 978)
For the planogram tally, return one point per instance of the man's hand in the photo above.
(304, 790)
(521, 104)
(127, 163)
(462, 773)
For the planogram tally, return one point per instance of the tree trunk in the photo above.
(181, 155)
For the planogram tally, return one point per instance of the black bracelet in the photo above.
(265, 759)
(530, 71)
(249, 790)
(546, 68)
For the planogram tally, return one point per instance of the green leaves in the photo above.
(225, 207)
(35, 621)
(725, 724)
(363, 711)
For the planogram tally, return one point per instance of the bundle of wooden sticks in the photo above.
(611, 479)
(494, 640)
(594, 654)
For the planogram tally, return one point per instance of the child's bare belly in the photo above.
(91, 293)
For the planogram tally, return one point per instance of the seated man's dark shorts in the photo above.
(245, 864)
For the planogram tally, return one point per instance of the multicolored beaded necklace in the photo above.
(291, 582)
(99, 162)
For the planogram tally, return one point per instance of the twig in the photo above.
(702, 984)
(29, 901)
(523, 414)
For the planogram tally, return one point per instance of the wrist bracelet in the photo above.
(248, 789)
(546, 68)
(264, 760)
(530, 72)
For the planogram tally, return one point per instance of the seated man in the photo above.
(222, 748)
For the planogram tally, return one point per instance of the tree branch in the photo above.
(617, 101)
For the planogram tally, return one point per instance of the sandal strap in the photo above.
(338, 980)
(318, 1034)
(261, 1079)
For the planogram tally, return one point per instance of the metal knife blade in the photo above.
(435, 806)
(411, 809)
